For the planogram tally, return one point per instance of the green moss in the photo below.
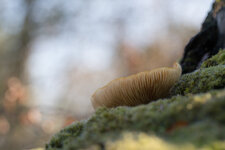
(175, 140)
(215, 60)
(210, 76)
(219, 1)
(199, 118)
(200, 81)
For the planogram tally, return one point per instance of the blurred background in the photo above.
(54, 54)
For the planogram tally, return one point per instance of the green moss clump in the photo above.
(66, 134)
(210, 76)
(217, 59)
(199, 118)
(200, 81)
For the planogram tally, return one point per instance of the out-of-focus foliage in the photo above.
(17, 119)
(27, 25)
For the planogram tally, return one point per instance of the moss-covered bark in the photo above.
(211, 75)
(200, 81)
(169, 119)
(218, 59)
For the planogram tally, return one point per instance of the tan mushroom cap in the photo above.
(140, 88)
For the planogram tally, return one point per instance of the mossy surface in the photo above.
(197, 119)
(215, 60)
(200, 81)
(211, 75)
(136, 141)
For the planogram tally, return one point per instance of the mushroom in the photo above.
(140, 88)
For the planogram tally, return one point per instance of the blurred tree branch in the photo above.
(13, 60)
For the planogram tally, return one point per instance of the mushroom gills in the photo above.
(140, 88)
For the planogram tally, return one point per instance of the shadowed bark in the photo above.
(208, 41)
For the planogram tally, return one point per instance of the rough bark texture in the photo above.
(208, 41)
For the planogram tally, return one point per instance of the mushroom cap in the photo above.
(140, 88)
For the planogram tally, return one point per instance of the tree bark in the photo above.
(208, 41)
